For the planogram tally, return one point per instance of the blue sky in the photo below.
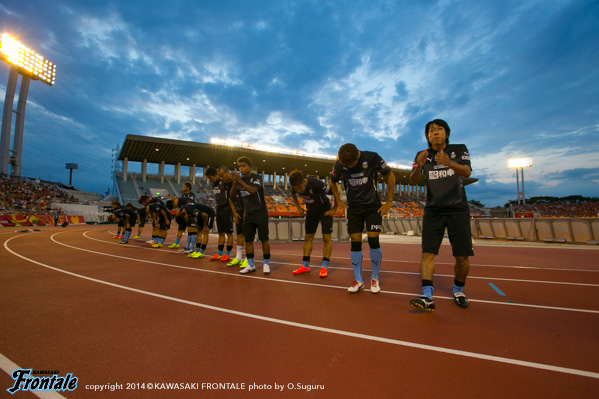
(512, 79)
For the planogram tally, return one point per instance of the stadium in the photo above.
(128, 292)
(571, 220)
(151, 289)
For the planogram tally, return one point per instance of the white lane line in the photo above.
(8, 366)
(474, 355)
(382, 271)
(416, 261)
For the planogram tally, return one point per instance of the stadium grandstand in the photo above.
(274, 165)
(29, 201)
(551, 207)
(34, 202)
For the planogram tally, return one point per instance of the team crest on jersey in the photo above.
(452, 156)
(365, 165)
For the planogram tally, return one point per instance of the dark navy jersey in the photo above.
(185, 201)
(195, 210)
(315, 196)
(190, 196)
(361, 180)
(239, 205)
(253, 204)
(206, 209)
(123, 211)
(141, 212)
(154, 201)
(157, 205)
(445, 188)
(221, 192)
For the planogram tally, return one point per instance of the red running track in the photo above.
(75, 301)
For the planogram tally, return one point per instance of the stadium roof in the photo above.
(155, 150)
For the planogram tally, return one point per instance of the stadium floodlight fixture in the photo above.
(517, 163)
(28, 62)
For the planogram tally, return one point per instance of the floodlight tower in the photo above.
(519, 164)
(30, 65)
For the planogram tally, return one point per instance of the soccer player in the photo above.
(120, 224)
(319, 210)
(236, 206)
(202, 216)
(190, 196)
(127, 218)
(141, 218)
(199, 221)
(221, 190)
(161, 217)
(359, 171)
(187, 193)
(444, 167)
(248, 186)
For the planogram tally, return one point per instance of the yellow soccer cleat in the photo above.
(234, 262)
(195, 255)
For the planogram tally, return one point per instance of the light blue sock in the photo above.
(250, 262)
(178, 240)
(427, 291)
(356, 263)
(306, 264)
(457, 288)
(376, 255)
(325, 264)
(127, 235)
(192, 241)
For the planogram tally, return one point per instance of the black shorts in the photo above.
(141, 215)
(458, 230)
(210, 222)
(357, 218)
(162, 224)
(224, 220)
(181, 221)
(162, 221)
(250, 227)
(239, 226)
(312, 220)
(121, 222)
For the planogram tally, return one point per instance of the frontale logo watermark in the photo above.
(25, 381)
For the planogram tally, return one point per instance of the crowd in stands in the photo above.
(559, 209)
(23, 195)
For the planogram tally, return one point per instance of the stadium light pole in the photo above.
(519, 164)
(30, 65)
(70, 167)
